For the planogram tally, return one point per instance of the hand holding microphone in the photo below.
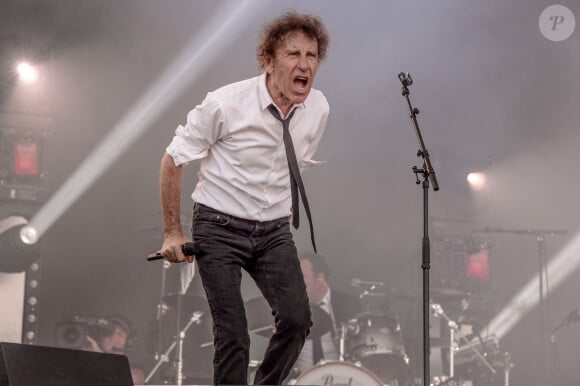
(188, 249)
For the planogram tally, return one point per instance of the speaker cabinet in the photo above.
(26, 365)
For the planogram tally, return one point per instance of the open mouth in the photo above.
(301, 82)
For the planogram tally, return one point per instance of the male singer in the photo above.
(243, 200)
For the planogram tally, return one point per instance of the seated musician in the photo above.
(330, 309)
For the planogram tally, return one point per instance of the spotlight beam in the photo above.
(202, 50)
(562, 265)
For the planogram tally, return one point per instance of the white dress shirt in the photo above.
(243, 166)
(329, 350)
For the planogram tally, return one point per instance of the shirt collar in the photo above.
(266, 99)
(326, 297)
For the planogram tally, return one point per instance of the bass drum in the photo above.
(378, 345)
(338, 373)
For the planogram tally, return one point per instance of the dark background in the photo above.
(494, 95)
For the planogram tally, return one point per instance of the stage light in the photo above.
(26, 159)
(28, 235)
(32, 295)
(21, 166)
(26, 72)
(477, 180)
(16, 255)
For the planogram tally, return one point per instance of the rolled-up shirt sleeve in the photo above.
(202, 129)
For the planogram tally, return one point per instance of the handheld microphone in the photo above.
(358, 283)
(188, 249)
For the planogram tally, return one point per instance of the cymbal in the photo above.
(259, 315)
(189, 303)
(449, 293)
(368, 314)
(528, 231)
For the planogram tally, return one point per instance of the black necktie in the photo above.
(295, 178)
(317, 353)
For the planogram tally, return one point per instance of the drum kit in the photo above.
(371, 350)
(371, 353)
(370, 345)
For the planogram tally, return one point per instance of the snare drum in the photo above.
(378, 345)
(338, 373)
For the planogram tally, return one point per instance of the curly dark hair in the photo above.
(274, 33)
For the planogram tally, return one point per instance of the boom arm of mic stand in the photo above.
(428, 169)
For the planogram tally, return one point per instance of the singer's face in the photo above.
(291, 71)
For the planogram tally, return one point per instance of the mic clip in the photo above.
(405, 79)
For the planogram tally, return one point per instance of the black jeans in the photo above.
(267, 252)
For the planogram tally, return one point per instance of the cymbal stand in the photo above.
(341, 345)
(543, 286)
(161, 309)
(453, 327)
(507, 366)
(350, 326)
(195, 318)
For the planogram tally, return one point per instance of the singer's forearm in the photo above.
(170, 183)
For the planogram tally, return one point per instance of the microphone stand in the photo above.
(427, 174)
(573, 316)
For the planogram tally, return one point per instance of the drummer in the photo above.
(330, 308)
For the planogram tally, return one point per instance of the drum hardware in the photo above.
(183, 305)
(454, 328)
(351, 327)
(253, 366)
(507, 366)
(187, 303)
(261, 322)
(466, 360)
(195, 318)
(478, 351)
(375, 340)
(259, 315)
